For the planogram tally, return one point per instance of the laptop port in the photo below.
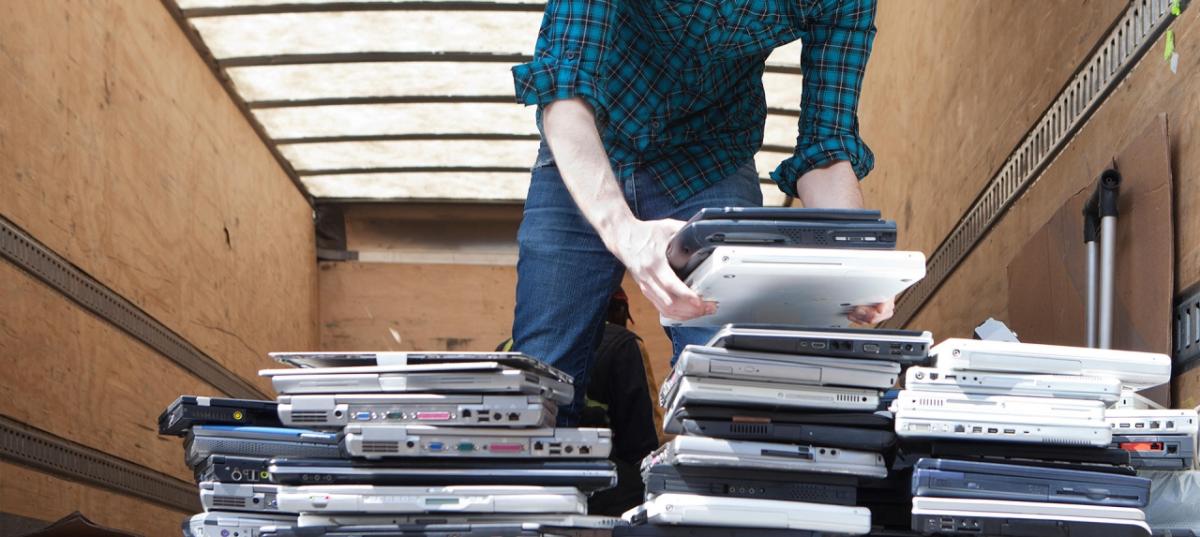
(1010, 431)
(506, 448)
(362, 416)
(960, 428)
(513, 416)
(976, 429)
(436, 446)
(584, 450)
(1172, 449)
(466, 447)
(819, 345)
(395, 415)
(497, 416)
(1154, 424)
(466, 413)
(1170, 425)
(870, 347)
(947, 524)
(993, 430)
(433, 416)
(933, 376)
(538, 446)
(1139, 425)
(235, 475)
(569, 449)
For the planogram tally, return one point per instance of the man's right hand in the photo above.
(570, 128)
(642, 247)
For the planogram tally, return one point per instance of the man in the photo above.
(649, 111)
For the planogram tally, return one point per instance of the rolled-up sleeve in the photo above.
(836, 44)
(568, 62)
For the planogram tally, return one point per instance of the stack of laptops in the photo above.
(228, 445)
(1011, 438)
(436, 443)
(778, 429)
(796, 266)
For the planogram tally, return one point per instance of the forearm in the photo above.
(834, 186)
(570, 129)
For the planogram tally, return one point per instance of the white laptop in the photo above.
(379, 441)
(798, 286)
(467, 377)
(929, 379)
(1044, 509)
(464, 409)
(715, 362)
(743, 394)
(1169, 421)
(216, 496)
(1136, 370)
(228, 524)
(1037, 429)
(368, 499)
(1076, 409)
(694, 510)
(704, 451)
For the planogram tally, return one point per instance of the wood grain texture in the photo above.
(120, 151)
(29, 493)
(76, 376)
(951, 88)
(978, 289)
(392, 306)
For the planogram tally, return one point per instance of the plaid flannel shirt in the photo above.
(676, 85)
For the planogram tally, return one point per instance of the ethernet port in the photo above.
(513, 416)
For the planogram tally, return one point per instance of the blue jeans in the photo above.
(565, 275)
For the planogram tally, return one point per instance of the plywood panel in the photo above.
(979, 289)
(120, 150)
(951, 88)
(74, 375)
(32, 494)
(392, 306)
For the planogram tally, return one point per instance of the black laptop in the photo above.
(189, 410)
(776, 226)
(587, 475)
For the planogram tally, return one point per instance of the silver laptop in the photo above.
(547, 520)
(798, 286)
(368, 499)
(1077, 409)
(515, 360)
(971, 516)
(743, 394)
(928, 379)
(695, 510)
(704, 451)
(472, 377)
(1026, 428)
(216, 496)
(380, 441)
(327, 411)
(1136, 370)
(228, 524)
(715, 362)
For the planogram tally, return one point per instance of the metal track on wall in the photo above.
(1130, 38)
(24, 251)
(38, 449)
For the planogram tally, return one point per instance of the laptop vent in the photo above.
(748, 428)
(229, 501)
(1065, 441)
(850, 398)
(308, 416)
(380, 446)
(931, 402)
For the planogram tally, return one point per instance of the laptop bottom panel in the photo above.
(651, 530)
(740, 483)
(585, 475)
(817, 435)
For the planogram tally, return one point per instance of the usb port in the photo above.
(977, 429)
(1010, 431)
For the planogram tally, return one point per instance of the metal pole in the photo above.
(1108, 256)
(1092, 259)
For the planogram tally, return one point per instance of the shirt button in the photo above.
(721, 21)
(655, 124)
(571, 54)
